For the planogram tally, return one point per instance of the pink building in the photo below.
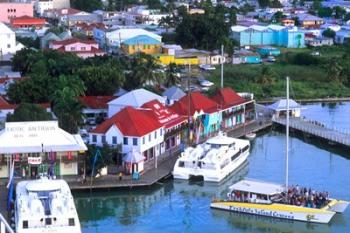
(14, 10)
(82, 48)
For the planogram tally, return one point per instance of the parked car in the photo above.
(315, 53)
(206, 83)
(271, 59)
(206, 67)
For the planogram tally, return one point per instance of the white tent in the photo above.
(133, 162)
(36, 137)
(281, 107)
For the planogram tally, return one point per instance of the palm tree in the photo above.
(65, 102)
(171, 75)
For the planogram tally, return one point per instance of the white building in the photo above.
(42, 5)
(135, 98)
(35, 146)
(114, 37)
(134, 129)
(8, 44)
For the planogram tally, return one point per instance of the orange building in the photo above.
(27, 22)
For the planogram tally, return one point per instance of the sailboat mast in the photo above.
(222, 66)
(287, 134)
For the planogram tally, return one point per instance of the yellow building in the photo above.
(141, 44)
(167, 59)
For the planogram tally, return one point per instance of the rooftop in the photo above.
(259, 187)
(131, 122)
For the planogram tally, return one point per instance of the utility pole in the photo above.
(222, 66)
(189, 104)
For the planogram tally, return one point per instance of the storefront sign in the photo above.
(30, 129)
(34, 160)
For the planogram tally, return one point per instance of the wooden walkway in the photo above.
(317, 129)
(112, 181)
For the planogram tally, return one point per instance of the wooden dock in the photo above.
(316, 129)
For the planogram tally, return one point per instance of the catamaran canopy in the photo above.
(259, 187)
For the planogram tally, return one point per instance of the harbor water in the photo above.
(180, 206)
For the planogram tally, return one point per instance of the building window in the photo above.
(144, 46)
(103, 139)
(8, 46)
(94, 138)
(143, 140)
(149, 137)
(155, 134)
(72, 48)
(125, 141)
(83, 48)
(114, 140)
(161, 132)
(149, 46)
(134, 141)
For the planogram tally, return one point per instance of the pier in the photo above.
(316, 129)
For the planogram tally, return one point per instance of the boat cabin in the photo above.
(255, 191)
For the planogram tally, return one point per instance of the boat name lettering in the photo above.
(261, 212)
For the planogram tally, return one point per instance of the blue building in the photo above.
(277, 35)
(268, 51)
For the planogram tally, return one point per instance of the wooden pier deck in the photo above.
(317, 129)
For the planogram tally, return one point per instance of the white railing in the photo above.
(4, 226)
(320, 130)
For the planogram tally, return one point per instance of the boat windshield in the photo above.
(217, 145)
(46, 197)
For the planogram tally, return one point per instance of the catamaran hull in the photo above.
(277, 211)
(338, 206)
(210, 175)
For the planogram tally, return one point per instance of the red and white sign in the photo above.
(34, 160)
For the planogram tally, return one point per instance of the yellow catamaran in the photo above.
(280, 201)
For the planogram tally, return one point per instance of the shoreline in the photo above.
(313, 100)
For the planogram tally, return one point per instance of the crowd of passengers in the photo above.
(305, 197)
(296, 196)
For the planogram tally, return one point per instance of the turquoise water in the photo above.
(178, 206)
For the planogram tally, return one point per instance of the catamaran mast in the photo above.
(287, 133)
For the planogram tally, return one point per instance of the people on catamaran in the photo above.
(296, 195)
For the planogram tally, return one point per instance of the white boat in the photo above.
(45, 205)
(280, 201)
(250, 136)
(213, 160)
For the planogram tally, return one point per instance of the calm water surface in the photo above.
(177, 206)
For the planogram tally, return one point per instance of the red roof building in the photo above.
(196, 103)
(96, 102)
(82, 48)
(27, 22)
(130, 122)
(227, 98)
(164, 115)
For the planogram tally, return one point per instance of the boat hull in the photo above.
(277, 211)
(338, 206)
(210, 175)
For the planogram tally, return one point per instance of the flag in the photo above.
(69, 155)
(10, 186)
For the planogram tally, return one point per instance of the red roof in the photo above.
(4, 105)
(164, 115)
(198, 102)
(226, 98)
(73, 41)
(27, 20)
(96, 102)
(130, 122)
(90, 27)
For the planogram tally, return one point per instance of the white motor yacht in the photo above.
(45, 205)
(213, 160)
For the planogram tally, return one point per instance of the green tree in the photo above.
(316, 5)
(153, 4)
(172, 75)
(101, 80)
(339, 12)
(88, 6)
(328, 33)
(65, 102)
(325, 12)
(29, 112)
(107, 155)
(263, 3)
(24, 59)
(267, 77)
(29, 42)
(277, 17)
